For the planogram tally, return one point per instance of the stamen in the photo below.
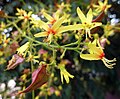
(104, 7)
(113, 60)
(108, 63)
(89, 34)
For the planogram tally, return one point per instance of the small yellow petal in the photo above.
(81, 15)
(18, 9)
(41, 34)
(94, 49)
(105, 2)
(50, 38)
(57, 14)
(66, 78)
(43, 25)
(95, 24)
(100, 3)
(89, 16)
(23, 48)
(61, 74)
(47, 16)
(58, 23)
(90, 56)
(29, 13)
(70, 27)
(95, 6)
(71, 76)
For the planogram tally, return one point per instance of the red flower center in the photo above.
(104, 7)
(51, 31)
(26, 17)
(102, 55)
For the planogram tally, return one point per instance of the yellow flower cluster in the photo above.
(55, 25)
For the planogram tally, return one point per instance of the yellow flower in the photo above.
(2, 26)
(87, 23)
(64, 6)
(25, 16)
(52, 19)
(57, 93)
(23, 48)
(23, 77)
(102, 6)
(32, 58)
(64, 73)
(5, 40)
(96, 53)
(108, 30)
(20, 12)
(2, 61)
(55, 29)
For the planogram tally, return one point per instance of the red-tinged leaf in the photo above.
(16, 60)
(39, 77)
(100, 17)
(2, 13)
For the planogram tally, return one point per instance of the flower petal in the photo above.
(29, 13)
(23, 48)
(100, 3)
(105, 2)
(90, 56)
(41, 34)
(95, 50)
(56, 14)
(89, 16)
(69, 27)
(58, 23)
(81, 15)
(47, 16)
(43, 25)
(66, 78)
(50, 38)
(61, 74)
(95, 24)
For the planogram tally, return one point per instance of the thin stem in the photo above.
(32, 69)
(46, 96)
(17, 27)
(74, 43)
(16, 21)
(53, 46)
